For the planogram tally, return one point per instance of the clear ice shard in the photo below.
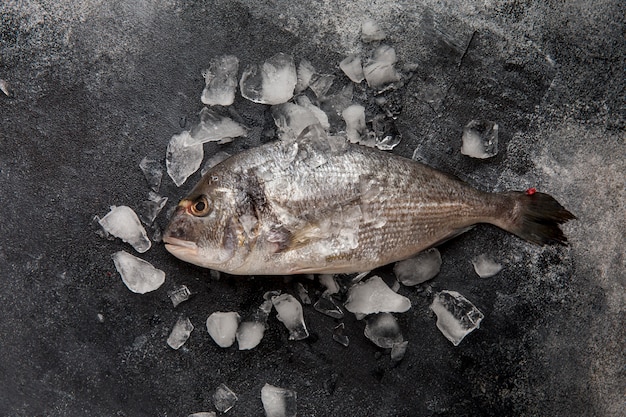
(354, 117)
(179, 295)
(214, 128)
(278, 402)
(371, 31)
(222, 326)
(122, 222)
(306, 70)
(485, 267)
(303, 293)
(480, 139)
(420, 268)
(251, 332)
(321, 116)
(152, 171)
(290, 314)
(221, 81)
(380, 69)
(272, 83)
(182, 160)
(374, 296)
(180, 333)
(138, 275)
(151, 207)
(456, 315)
(321, 83)
(327, 305)
(383, 330)
(214, 160)
(224, 398)
(328, 281)
(291, 119)
(338, 335)
(351, 66)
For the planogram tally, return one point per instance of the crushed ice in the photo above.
(383, 330)
(278, 402)
(380, 69)
(180, 333)
(222, 327)
(480, 139)
(213, 127)
(122, 222)
(290, 314)
(138, 275)
(224, 398)
(251, 332)
(456, 315)
(485, 266)
(152, 171)
(151, 207)
(179, 295)
(420, 268)
(371, 31)
(213, 161)
(221, 81)
(374, 296)
(182, 160)
(271, 83)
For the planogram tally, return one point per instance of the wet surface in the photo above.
(99, 87)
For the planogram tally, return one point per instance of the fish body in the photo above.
(325, 206)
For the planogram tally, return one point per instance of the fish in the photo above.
(327, 206)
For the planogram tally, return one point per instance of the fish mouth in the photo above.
(182, 249)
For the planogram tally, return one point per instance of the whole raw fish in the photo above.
(324, 206)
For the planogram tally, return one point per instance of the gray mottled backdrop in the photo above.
(99, 85)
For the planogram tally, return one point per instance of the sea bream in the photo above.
(326, 206)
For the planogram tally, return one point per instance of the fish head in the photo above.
(202, 231)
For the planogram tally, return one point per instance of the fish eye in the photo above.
(200, 207)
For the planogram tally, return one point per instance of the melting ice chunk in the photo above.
(305, 74)
(291, 119)
(278, 402)
(180, 333)
(290, 314)
(152, 171)
(221, 81)
(456, 315)
(322, 118)
(272, 83)
(480, 139)
(224, 398)
(398, 350)
(222, 327)
(179, 295)
(338, 335)
(327, 305)
(354, 116)
(122, 222)
(351, 66)
(152, 207)
(485, 267)
(371, 31)
(321, 83)
(374, 296)
(214, 160)
(422, 267)
(138, 275)
(328, 281)
(214, 128)
(380, 69)
(383, 330)
(249, 334)
(182, 160)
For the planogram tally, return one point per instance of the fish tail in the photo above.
(534, 216)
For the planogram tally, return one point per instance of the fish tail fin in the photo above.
(535, 217)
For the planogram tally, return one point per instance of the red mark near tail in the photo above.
(531, 191)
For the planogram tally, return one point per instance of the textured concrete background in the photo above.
(99, 85)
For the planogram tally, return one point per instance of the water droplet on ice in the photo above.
(138, 275)
(278, 402)
(374, 296)
(272, 83)
(122, 222)
(456, 315)
(224, 398)
(420, 268)
(480, 139)
(180, 333)
(383, 330)
(182, 160)
(290, 314)
(221, 81)
(485, 267)
(222, 326)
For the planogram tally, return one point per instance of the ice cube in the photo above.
(321, 116)
(336, 103)
(328, 281)
(371, 31)
(383, 330)
(152, 172)
(222, 326)
(249, 334)
(485, 267)
(354, 116)
(180, 333)
(138, 275)
(398, 350)
(327, 305)
(380, 69)
(224, 398)
(152, 207)
(214, 127)
(182, 160)
(179, 295)
(420, 268)
(221, 81)
(214, 160)
(272, 83)
(290, 314)
(374, 296)
(291, 119)
(305, 74)
(456, 315)
(303, 293)
(203, 414)
(480, 139)
(351, 66)
(321, 83)
(338, 335)
(122, 222)
(278, 402)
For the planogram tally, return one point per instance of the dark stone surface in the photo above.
(99, 86)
